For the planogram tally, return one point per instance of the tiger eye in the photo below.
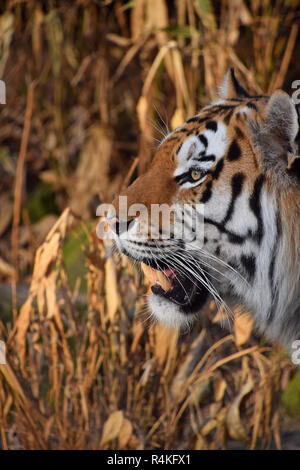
(196, 175)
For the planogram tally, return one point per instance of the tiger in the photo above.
(237, 159)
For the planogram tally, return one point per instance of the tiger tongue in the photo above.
(155, 276)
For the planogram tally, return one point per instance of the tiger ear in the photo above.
(281, 118)
(277, 132)
(231, 87)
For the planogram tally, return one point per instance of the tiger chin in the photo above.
(237, 158)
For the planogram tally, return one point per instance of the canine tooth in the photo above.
(155, 276)
(164, 281)
(149, 273)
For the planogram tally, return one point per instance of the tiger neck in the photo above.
(274, 297)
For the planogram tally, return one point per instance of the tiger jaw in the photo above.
(174, 287)
(176, 294)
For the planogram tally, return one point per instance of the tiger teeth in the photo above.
(155, 276)
(163, 281)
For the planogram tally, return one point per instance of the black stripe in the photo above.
(249, 263)
(206, 195)
(179, 148)
(184, 130)
(211, 125)
(169, 139)
(239, 133)
(255, 206)
(208, 158)
(235, 238)
(203, 139)
(232, 237)
(217, 109)
(223, 108)
(198, 119)
(234, 151)
(218, 168)
(236, 189)
(193, 119)
(274, 249)
(272, 266)
(228, 117)
(251, 105)
(236, 99)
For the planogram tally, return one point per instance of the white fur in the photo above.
(169, 313)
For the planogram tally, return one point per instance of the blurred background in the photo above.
(90, 89)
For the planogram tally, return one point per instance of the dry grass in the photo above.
(86, 369)
(98, 378)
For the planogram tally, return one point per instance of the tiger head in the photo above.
(236, 161)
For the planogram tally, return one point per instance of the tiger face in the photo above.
(236, 160)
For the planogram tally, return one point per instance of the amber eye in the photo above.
(196, 175)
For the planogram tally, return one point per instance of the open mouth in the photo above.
(176, 287)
